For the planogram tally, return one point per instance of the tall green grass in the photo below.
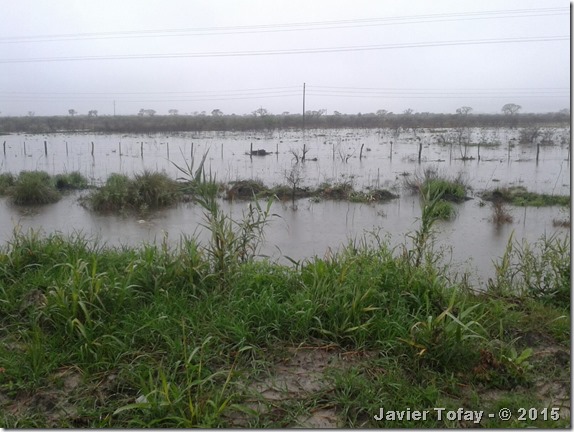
(431, 185)
(162, 336)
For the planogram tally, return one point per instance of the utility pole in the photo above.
(303, 107)
(114, 108)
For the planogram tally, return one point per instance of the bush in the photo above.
(73, 180)
(34, 187)
(148, 190)
(6, 182)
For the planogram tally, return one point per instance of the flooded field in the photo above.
(485, 158)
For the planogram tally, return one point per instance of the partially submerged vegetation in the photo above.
(208, 336)
(520, 196)
(249, 189)
(38, 187)
(154, 190)
(442, 190)
(148, 190)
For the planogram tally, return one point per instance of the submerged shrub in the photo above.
(34, 187)
(500, 213)
(114, 195)
(148, 190)
(432, 184)
(520, 196)
(73, 180)
(6, 182)
(154, 189)
(451, 190)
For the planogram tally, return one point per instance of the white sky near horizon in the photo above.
(237, 56)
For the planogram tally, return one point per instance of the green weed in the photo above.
(34, 187)
(148, 190)
(7, 180)
(73, 180)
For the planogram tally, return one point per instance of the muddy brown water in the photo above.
(471, 241)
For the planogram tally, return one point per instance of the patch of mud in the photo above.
(298, 377)
(322, 418)
(54, 403)
(553, 393)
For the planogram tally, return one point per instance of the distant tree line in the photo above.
(148, 122)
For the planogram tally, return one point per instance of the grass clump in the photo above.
(38, 187)
(148, 190)
(520, 196)
(34, 187)
(541, 270)
(71, 181)
(448, 190)
(7, 180)
(500, 214)
(338, 191)
(247, 189)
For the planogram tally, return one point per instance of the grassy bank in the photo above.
(209, 336)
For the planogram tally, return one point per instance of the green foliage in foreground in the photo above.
(160, 337)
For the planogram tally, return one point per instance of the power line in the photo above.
(262, 90)
(315, 25)
(441, 89)
(289, 51)
(442, 97)
(197, 99)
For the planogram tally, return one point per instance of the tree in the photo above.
(408, 111)
(382, 112)
(146, 112)
(316, 114)
(216, 112)
(465, 110)
(31, 113)
(92, 113)
(260, 112)
(173, 112)
(511, 109)
(72, 112)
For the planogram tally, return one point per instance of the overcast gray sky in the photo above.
(236, 56)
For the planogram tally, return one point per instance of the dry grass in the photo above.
(500, 213)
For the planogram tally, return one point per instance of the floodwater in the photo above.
(471, 241)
